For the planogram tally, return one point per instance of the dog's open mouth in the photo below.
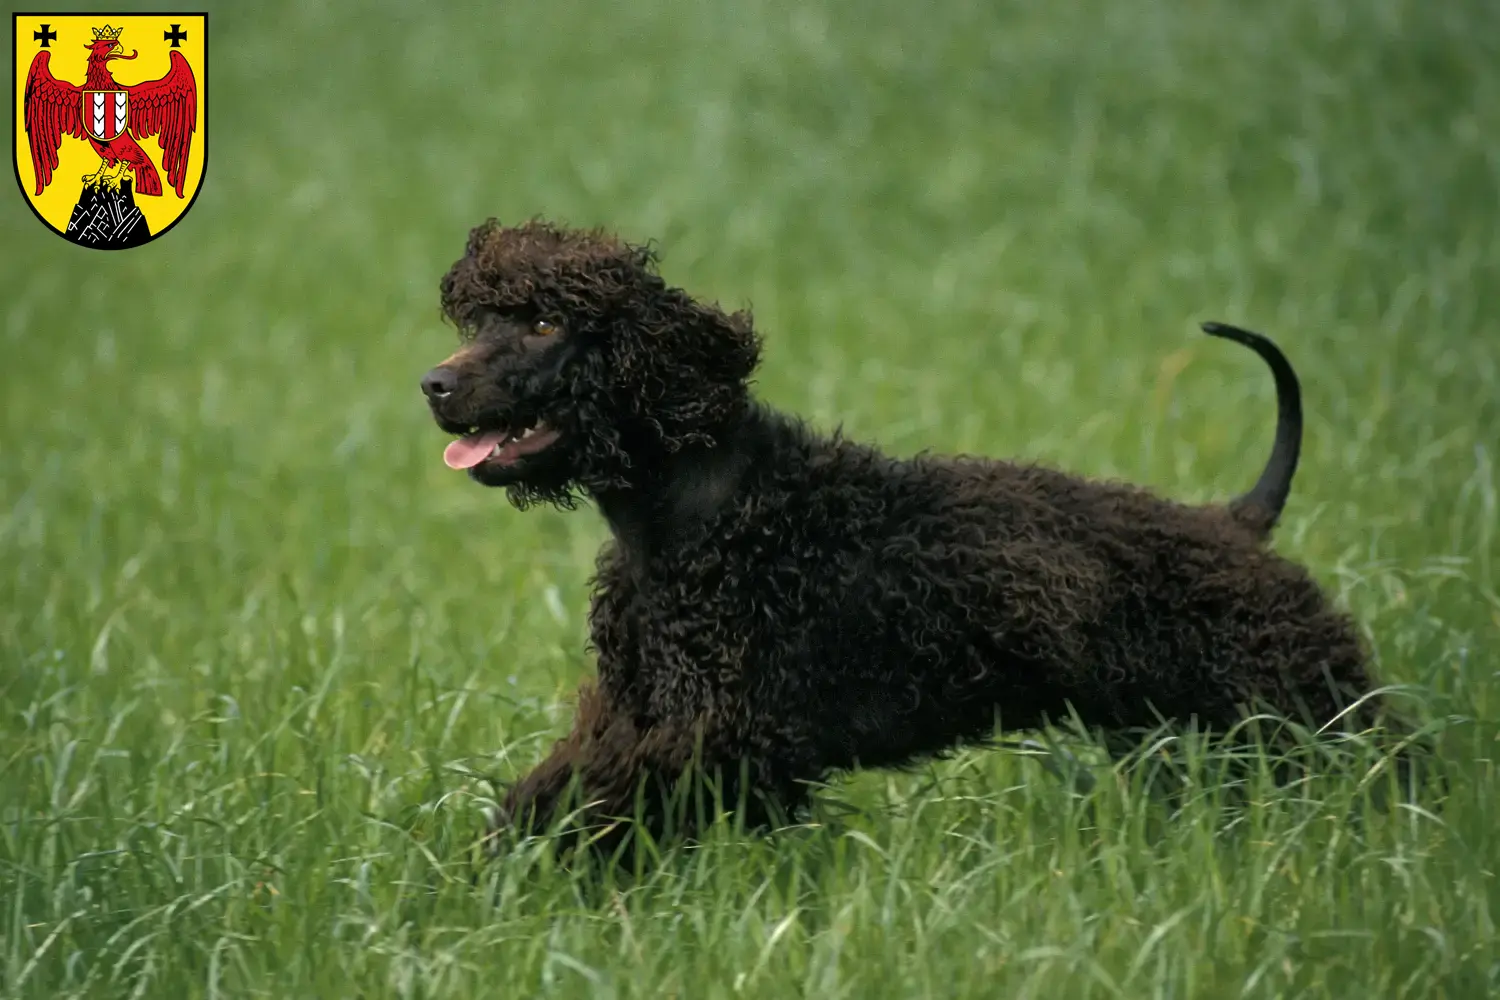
(500, 447)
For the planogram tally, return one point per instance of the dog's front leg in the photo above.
(603, 774)
(609, 774)
(532, 803)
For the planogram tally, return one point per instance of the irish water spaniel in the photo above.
(778, 604)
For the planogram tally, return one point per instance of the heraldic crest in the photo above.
(141, 168)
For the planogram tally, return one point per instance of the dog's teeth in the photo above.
(527, 433)
(496, 450)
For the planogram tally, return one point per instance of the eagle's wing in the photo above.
(168, 108)
(53, 110)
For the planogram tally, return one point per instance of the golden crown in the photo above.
(107, 33)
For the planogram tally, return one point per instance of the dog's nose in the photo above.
(439, 382)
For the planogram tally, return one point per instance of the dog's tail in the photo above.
(1260, 508)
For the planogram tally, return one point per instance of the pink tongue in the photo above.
(467, 452)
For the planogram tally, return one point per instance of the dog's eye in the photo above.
(544, 328)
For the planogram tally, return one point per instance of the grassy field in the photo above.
(259, 649)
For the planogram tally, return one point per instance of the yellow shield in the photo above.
(110, 130)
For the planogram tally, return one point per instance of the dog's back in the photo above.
(965, 585)
(991, 586)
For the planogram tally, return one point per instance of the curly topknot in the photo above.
(582, 273)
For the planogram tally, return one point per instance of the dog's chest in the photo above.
(673, 636)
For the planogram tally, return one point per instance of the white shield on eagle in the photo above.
(104, 113)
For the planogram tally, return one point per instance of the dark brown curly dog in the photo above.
(779, 604)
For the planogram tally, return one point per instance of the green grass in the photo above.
(258, 647)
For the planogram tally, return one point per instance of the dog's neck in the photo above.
(680, 493)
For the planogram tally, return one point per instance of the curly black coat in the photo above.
(779, 604)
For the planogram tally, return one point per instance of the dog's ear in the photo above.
(698, 338)
(680, 367)
(736, 347)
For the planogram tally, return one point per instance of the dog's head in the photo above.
(579, 366)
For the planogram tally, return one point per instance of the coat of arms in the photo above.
(140, 166)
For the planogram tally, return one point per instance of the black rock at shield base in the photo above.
(106, 218)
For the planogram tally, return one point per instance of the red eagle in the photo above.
(112, 117)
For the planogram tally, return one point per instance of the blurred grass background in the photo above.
(257, 645)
